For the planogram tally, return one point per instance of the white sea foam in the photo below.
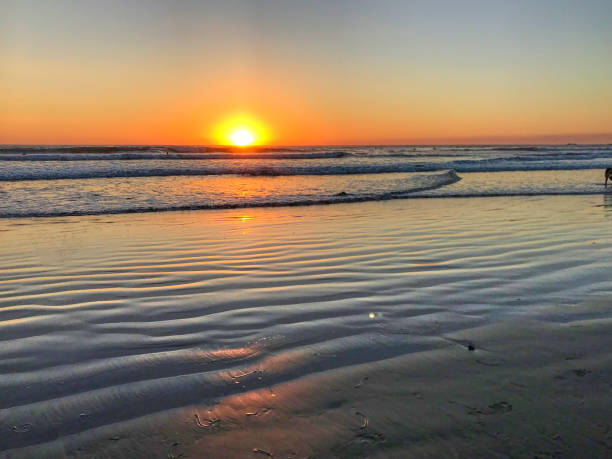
(54, 163)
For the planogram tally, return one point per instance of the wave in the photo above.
(40, 206)
(164, 152)
(163, 155)
(109, 149)
(336, 199)
(153, 195)
(26, 171)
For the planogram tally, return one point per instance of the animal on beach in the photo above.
(608, 175)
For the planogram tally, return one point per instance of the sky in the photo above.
(306, 72)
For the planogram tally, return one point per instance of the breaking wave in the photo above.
(95, 197)
(85, 162)
(110, 169)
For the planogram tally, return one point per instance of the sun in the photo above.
(240, 130)
(242, 137)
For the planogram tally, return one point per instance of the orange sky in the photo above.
(309, 74)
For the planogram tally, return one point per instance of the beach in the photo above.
(305, 229)
(425, 327)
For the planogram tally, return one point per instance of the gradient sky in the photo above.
(314, 72)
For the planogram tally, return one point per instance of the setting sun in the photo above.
(240, 130)
(242, 138)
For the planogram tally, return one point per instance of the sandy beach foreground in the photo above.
(530, 389)
(417, 328)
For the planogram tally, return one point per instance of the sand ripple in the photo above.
(105, 322)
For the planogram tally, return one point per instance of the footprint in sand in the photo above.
(22, 428)
(173, 452)
(206, 423)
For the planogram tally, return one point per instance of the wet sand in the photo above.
(420, 328)
(529, 389)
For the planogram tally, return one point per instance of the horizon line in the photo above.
(474, 144)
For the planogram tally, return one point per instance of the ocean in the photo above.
(461, 309)
(37, 181)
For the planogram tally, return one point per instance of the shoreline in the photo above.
(73, 198)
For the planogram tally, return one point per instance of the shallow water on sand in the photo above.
(108, 318)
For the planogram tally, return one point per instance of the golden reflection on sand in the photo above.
(230, 354)
(256, 422)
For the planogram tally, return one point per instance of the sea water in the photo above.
(81, 180)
